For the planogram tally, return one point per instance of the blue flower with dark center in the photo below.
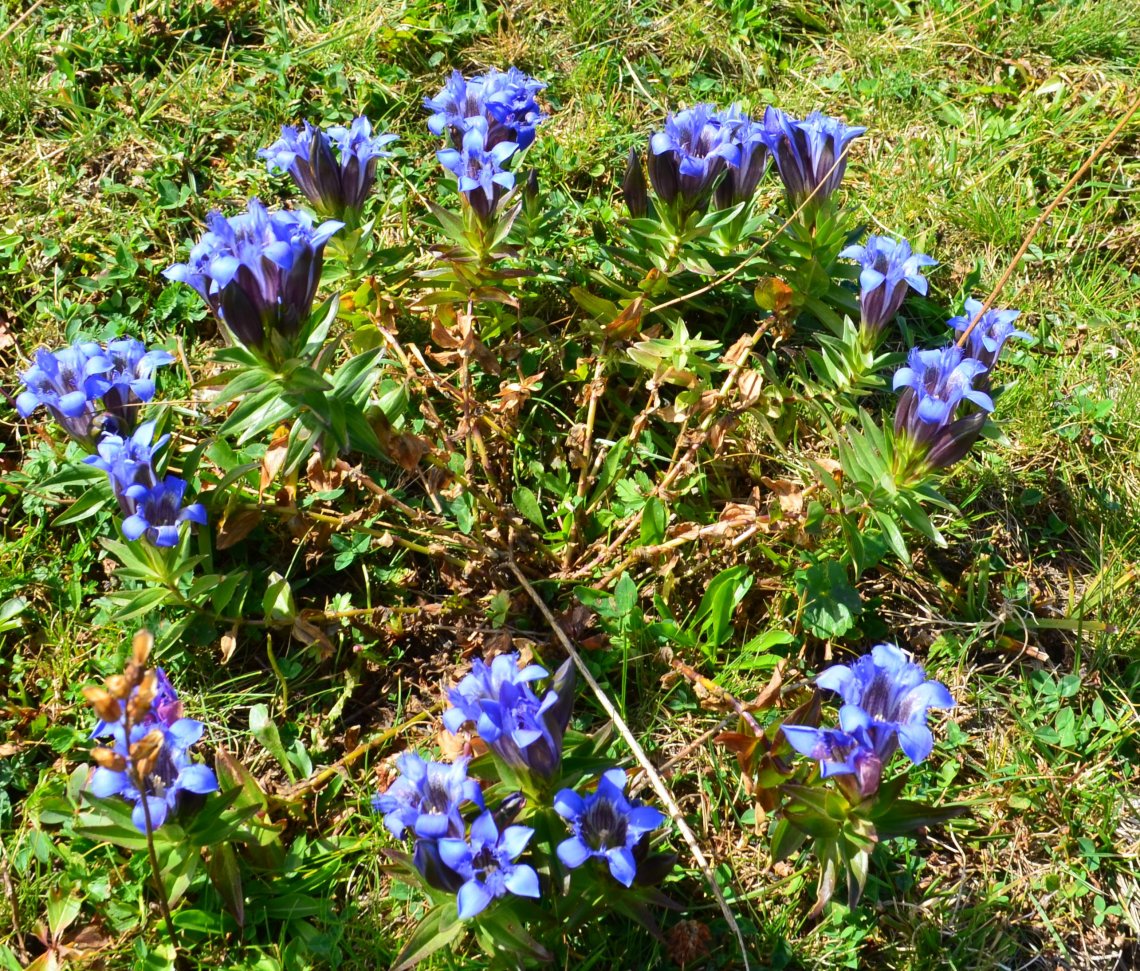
(131, 379)
(993, 330)
(68, 383)
(605, 825)
(479, 168)
(687, 158)
(156, 512)
(165, 709)
(806, 153)
(742, 179)
(523, 731)
(128, 461)
(845, 751)
(171, 772)
(487, 864)
(336, 182)
(887, 696)
(505, 102)
(426, 798)
(888, 268)
(258, 271)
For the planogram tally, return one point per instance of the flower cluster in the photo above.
(258, 272)
(480, 861)
(886, 698)
(888, 267)
(151, 507)
(148, 761)
(487, 119)
(936, 383)
(810, 154)
(334, 168)
(86, 382)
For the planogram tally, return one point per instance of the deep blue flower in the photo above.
(505, 102)
(479, 168)
(805, 152)
(887, 695)
(68, 383)
(523, 731)
(258, 271)
(172, 772)
(845, 751)
(426, 798)
(742, 178)
(156, 512)
(131, 379)
(605, 825)
(686, 158)
(889, 267)
(335, 182)
(128, 461)
(487, 864)
(994, 329)
(165, 709)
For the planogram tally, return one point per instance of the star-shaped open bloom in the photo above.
(605, 825)
(941, 379)
(888, 267)
(128, 461)
(989, 336)
(845, 751)
(335, 168)
(687, 158)
(426, 798)
(130, 379)
(806, 153)
(505, 102)
(888, 696)
(258, 271)
(157, 513)
(742, 178)
(68, 383)
(498, 700)
(487, 864)
(171, 773)
(479, 168)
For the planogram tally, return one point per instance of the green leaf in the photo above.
(439, 928)
(87, 505)
(135, 603)
(831, 604)
(265, 731)
(526, 502)
(10, 611)
(722, 596)
(278, 604)
(654, 522)
(225, 875)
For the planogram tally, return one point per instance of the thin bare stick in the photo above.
(1045, 214)
(19, 20)
(651, 772)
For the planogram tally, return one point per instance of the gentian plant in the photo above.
(888, 267)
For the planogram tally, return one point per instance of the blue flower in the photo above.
(845, 751)
(172, 772)
(426, 798)
(131, 379)
(128, 461)
(994, 329)
(258, 271)
(741, 180)
(165, 709)
(498, 699)
(605, 825)
(479, 168)
(337, 183)
(505, 102)
(805, 152)
(156, 512)
(68, 383)
(888, 696)
(687, 158)
(487, 864)
(889, 267)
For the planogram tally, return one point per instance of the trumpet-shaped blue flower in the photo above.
(258, 271)
(993, 330)
(426, 798)
(845, 751)
(806, 153)
(68, 383)
(605, 825)
(742, 178)
(487, 864)
(505, 102)
(888, 267)
(687, 158)
(523, 731)
(171, 774)
(479, 168)
(165, 709)
(335, 182)
(130, 379)
(128, 461)
(157, 513)
(887, 696)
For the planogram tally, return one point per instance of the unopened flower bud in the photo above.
(108, 759)
(634, 188)
(106, 707)
(141, 645)
(144, 752)
(120, 685)
(141, 701)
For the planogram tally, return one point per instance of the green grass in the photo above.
(124, 122)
